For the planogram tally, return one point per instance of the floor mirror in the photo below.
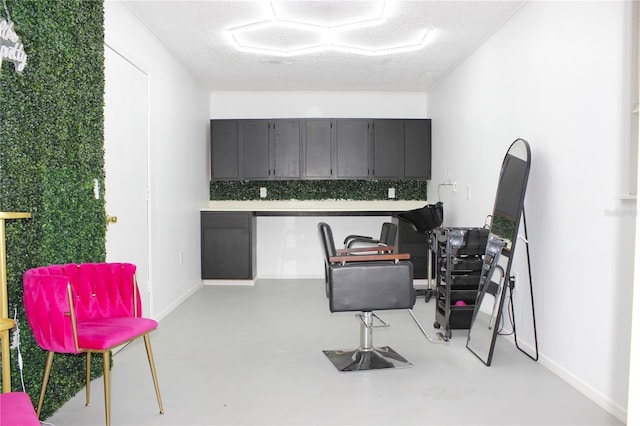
(503, 235)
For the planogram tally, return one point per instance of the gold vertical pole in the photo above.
(4, 299)
(5, 325)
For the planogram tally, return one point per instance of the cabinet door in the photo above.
(317, 149)
(353, 148)
(219, 260)
(224, 149)
(286, 149)
(387, 148)
(254, 137)
(417, 149)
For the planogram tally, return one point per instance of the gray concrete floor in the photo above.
(253, 356)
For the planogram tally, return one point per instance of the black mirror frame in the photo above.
(508, 208)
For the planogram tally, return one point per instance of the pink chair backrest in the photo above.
(99, 290)
(103, 290)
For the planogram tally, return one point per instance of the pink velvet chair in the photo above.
(15, 407)
(16, 410)
(90, 307)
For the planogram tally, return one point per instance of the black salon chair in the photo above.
(424, 220)
(365, 283)
(387, 238)
(366, 245)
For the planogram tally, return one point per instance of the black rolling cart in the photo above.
(459, 253)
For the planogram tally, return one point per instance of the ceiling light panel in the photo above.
(303, 27)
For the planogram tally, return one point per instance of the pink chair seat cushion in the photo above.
(16, 410)
(107, 333)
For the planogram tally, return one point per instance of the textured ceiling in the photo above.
(196, 32)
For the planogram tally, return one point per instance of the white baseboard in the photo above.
(228, 282)
(301, 277)
(177, 302)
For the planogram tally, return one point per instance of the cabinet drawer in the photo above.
(462, 264)
(226, 220)
(462, 281)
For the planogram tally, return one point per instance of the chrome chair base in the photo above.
(366, 359)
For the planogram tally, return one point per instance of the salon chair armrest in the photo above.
(369, 257)
(379, 249)
(359, 237)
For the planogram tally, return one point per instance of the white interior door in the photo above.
(126, 167)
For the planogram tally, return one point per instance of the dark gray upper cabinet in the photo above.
(352, 159)
(321, 149)
(286, 149)
(224, 149)
(269, 149)
(417, 149)
(318, 149)
(254, 140)
(387, 149)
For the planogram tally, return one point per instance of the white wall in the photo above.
(298, 254)
(178, 158)
(318, 104)
(289, 247)
(555, 75)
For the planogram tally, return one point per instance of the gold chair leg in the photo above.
(147, 344)
(88, 380)
(6, 362)
(45, 381)
(107, 387)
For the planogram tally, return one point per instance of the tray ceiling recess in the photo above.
(359, 28)
(321, 46)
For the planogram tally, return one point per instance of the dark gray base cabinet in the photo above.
(228, 245)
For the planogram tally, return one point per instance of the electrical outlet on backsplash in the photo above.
(318, 190)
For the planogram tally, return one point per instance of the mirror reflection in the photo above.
(503, 234)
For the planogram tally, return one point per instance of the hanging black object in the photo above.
(425, 218)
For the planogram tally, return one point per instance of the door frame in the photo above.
(144, 287)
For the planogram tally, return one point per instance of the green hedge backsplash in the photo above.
(51, 151)
(318, 190)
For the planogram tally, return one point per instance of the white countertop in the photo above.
(315, 205)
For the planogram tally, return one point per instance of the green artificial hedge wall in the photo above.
(51, 151)
(318, 189)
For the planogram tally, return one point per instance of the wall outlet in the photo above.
(263, 192)
(181, 257)
(391, 193)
